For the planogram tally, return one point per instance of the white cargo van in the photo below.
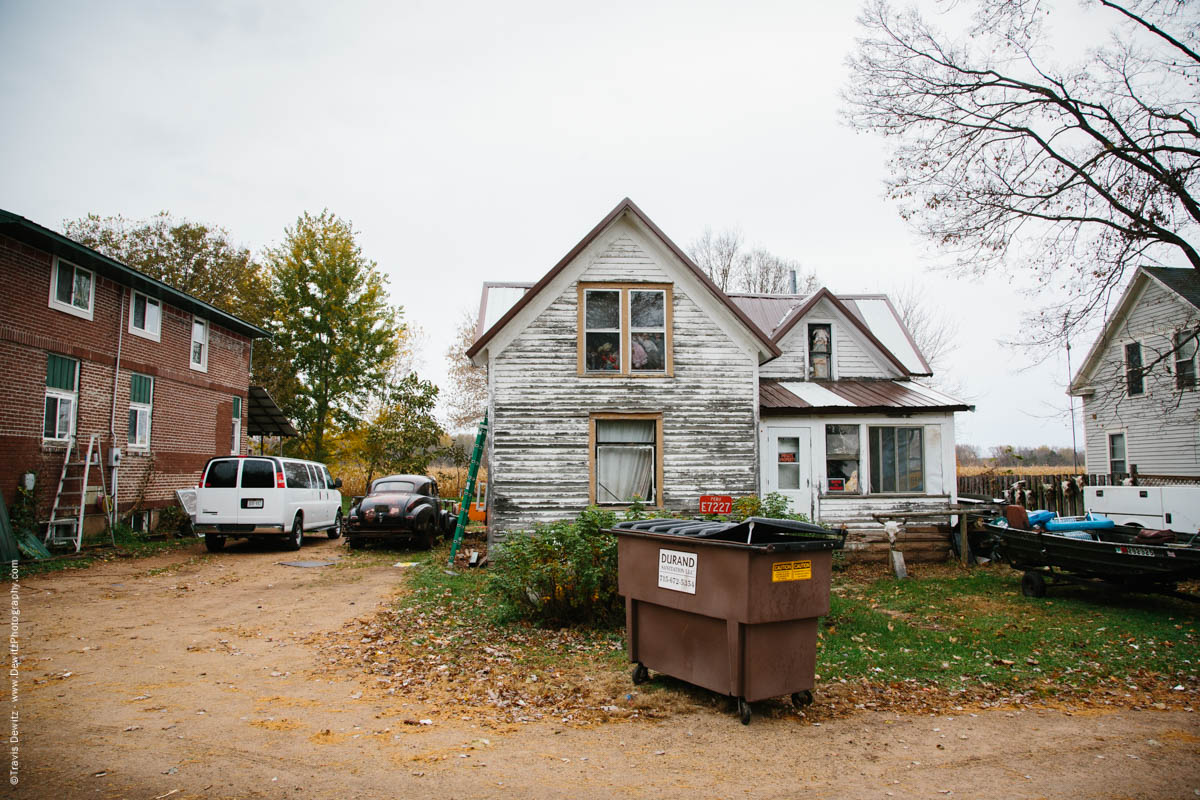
(253, 496)
(1175, 508)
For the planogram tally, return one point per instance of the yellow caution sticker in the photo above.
(791, 571)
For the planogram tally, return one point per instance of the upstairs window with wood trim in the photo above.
(1185, 359)
(1134, 376)
(625, 329)
(820, 352)
(62, 398)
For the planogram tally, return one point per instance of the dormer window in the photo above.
(625, 329)
(820, 351)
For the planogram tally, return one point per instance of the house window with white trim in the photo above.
(145, 316)
(820, 352)
(141, 411)
(62, 398)
(897, 459)
(1134, 377)
(841, 458)
(626, 459)
(72, 289)
(235, 446)
(1185, 359)
(199, 358)
(1117, 462)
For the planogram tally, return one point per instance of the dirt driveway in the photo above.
(190, 676)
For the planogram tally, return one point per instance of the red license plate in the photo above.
(716, 504)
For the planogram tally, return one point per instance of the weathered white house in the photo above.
(626, 372)
(1141, 407)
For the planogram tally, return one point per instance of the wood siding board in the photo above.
(1162, 425)
(541, 466)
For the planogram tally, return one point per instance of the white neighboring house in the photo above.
(1141, 407)
(626, 372)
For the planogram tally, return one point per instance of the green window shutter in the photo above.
(140, 388)
(60, 372)
(237, 407)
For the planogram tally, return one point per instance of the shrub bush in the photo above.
(561, 574)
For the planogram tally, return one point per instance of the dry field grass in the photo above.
(982, 469)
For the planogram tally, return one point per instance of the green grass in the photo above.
(970, 630)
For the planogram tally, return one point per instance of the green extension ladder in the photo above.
(469, 489)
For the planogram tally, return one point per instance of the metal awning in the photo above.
(265, 418)
(853, 396)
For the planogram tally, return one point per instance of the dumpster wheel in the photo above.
(640, 674)
(802, 699)
(743, 710)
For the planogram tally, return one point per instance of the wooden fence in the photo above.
(1062, 494)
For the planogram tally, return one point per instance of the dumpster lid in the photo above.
(765, 532)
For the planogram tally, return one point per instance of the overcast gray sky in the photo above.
(479, 141)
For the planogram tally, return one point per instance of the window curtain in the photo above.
(624, 460)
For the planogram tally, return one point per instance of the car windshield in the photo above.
(407, 487)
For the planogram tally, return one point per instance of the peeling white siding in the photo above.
(1161, 426)
(851, 358)
(540, 406)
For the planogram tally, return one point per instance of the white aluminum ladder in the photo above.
(70, 500)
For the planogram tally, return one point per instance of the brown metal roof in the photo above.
(625, 206)
(863, 395)
(265, 417)
(768, 311)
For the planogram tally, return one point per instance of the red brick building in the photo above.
(89, 346)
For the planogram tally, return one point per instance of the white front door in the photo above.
(787, 467)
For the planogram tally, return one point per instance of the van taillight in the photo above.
(279, 484)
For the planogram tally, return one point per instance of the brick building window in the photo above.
(199, 358)
(236, 446)
(62, 398)
(145, 316)
(141, 410)
(72, 289)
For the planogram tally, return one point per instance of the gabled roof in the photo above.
(17, 227)
(853, 396)
(1181, 281)
(1184, 282)
(872, 314)
(626, 206)
(799, 312)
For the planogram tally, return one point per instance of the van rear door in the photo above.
(260, 503)
(217, 499)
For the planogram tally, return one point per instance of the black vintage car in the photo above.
(400, 507)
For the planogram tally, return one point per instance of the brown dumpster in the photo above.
(729, 607)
